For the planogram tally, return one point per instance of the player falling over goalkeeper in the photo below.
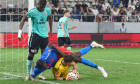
(52, 54)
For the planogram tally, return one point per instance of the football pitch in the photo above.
(122, 65)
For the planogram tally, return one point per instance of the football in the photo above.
(74, 75)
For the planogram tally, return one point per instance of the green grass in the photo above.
(120, 63)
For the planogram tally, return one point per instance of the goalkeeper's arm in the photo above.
(21, 26)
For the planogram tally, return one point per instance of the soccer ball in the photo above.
(74, 75)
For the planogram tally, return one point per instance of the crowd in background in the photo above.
(95, 11)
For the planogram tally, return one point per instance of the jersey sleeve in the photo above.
(64, 50)
(48, 11)
(64, 20)
(30, 13)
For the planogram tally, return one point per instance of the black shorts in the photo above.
(35, 42)
(62, 40)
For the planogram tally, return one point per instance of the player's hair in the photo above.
(43, 3)
(68, 58)
(66, 11)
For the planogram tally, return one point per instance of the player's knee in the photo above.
(41, 64)
(30, 57)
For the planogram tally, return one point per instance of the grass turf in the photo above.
(122, 65)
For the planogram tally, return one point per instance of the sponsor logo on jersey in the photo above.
(40, 23)
(49, 50)
(42, 19)
(45, 14)
(66, 21)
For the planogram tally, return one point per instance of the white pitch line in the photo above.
(48, 82)
(12, 74)
(117, 61)
(7, 78)
(24, 76)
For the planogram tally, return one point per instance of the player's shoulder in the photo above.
(58, 64)
(47, 9)
(63, 18)
(33, 9)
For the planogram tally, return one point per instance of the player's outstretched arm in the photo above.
(21, 26)
(73, 27)
(50, 24)
(50, 45)
(74, 67)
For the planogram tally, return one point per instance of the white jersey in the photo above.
(123, 29)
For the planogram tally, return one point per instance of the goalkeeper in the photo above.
(52, 54)
(61, 67)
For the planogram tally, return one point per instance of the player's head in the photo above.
(42, 3)
(123, 24)
(67, 13)
(68, 59)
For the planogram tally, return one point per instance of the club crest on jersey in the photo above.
(45, 14)
(66, 21)
(49, 50)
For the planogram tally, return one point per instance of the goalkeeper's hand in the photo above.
(20, 34)
(69, 78)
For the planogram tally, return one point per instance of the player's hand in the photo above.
(64, 34)
(75, 71)
(50, 34)
(20, 34)
(74, 27)
(19, 38)
(70, 78)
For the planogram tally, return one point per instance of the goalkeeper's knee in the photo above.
(41, 64)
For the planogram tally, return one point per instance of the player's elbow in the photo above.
(55, 78)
